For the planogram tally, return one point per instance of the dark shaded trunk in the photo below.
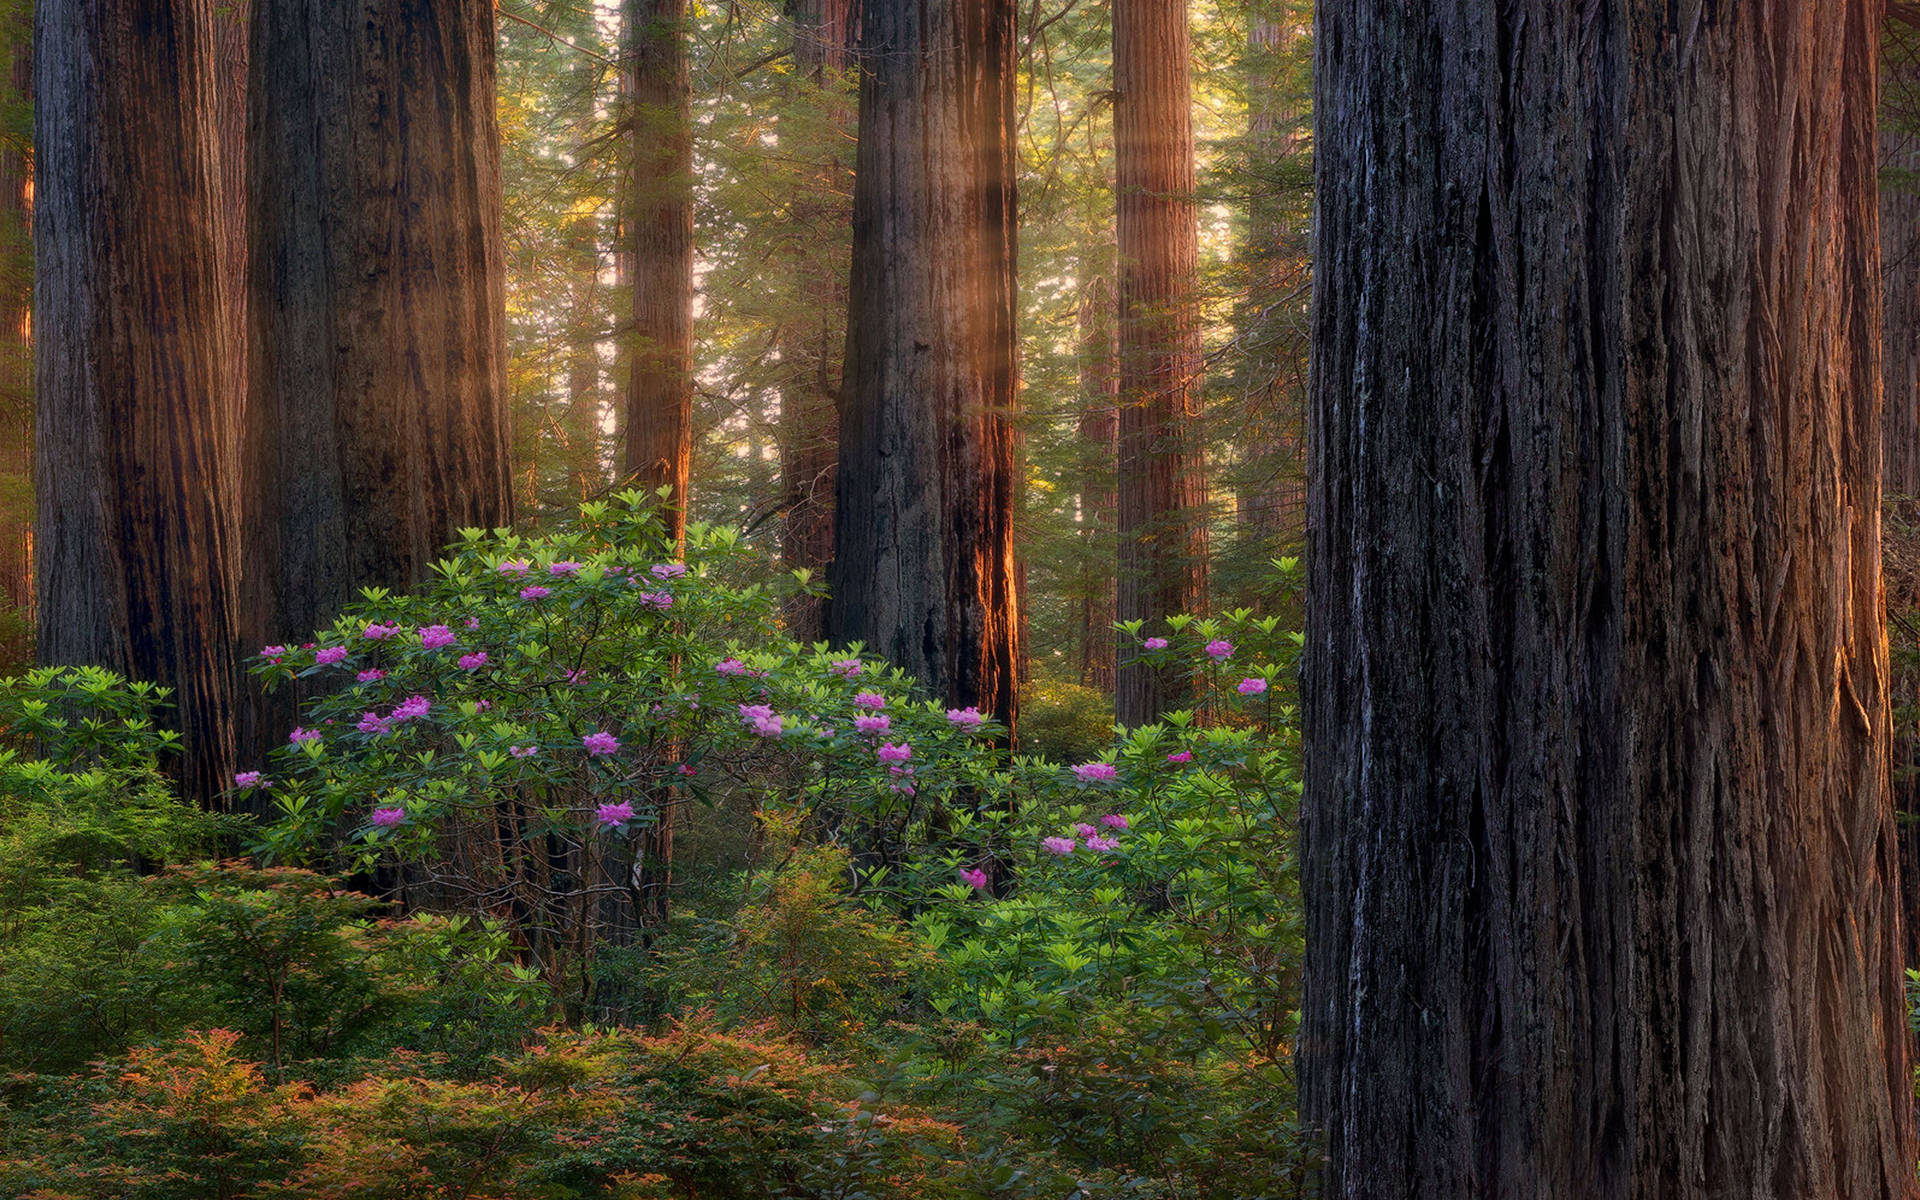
(659, 409)
(377, 426)
(133, 467)
(923, 533)
(1099, 424)
(1599, 857)
(1162, 478)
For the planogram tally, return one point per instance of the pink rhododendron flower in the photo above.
(1155, 643)
(730, 666)
(472, 622)
(328, 655)
(846, 667)
(870, 700)
(668, 570)
(762, 719)
(272, 651)
(890, 753)
(1180, 756)
(387, 818)
(600, 743)
(965, 718)
(513, 566)
(482, 705)
(372, 722)
(303, 735)
(876, 724)
(657, 599)
(371, 676)
(535, 592)
(687, 769)
(576, 675)
(1059, 845)
(614, 814)
(247, 779)
(433, 637)
(1114, 821)
(472, 662)
(523, 751)
(563, 567)
(975, 879)
(1096, 772)
(1085, 830)
(1101, 845)
(410, 708)
(379, 632)
(1219, 649)
(1252, 685)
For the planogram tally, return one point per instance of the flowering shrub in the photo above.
(520, 749)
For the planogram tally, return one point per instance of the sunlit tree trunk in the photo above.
(923, 563)
(1599, 856)
(659, 409)
(1162, 479)
(133, 468)
(377, 426)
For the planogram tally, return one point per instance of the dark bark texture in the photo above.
(659, 410)
(923, 568)
(1599, 855)
(377, 422)
(1162, 477)
(133, 467)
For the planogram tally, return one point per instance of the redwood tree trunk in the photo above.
(659, 415)
(378, 422)
(1099, 424)
(824, 33)
(134, 471)
(1599, 857)
(923, 533)
(1163, 540)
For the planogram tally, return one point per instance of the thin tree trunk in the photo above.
(16, 353)
(378, 422)
(1099, 423)
(923, 563)
(1599, 859)
(824, 33)
(133, 469)
(1162, 480)
(659, 418)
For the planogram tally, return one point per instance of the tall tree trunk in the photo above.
(824, 33)
(1599, 860)
(659, 417)
(134, 472)
(1163, 540)
(378, 421)
(16, 345)
(1099, 424)
(923, 532)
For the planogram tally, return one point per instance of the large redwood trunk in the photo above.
(377, 426)
(133, 465)
(1098, 429)
(1162, 477)
(923, 563)
(1599, 855)
(659, 410)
